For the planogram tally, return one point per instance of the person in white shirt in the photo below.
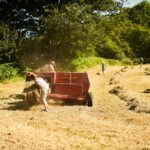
(44, 89)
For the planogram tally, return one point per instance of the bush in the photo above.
(113, 62)
(7, 72)
(146, 60)
(127, 61)
(83, 63)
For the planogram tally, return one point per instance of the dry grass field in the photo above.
(108, 125)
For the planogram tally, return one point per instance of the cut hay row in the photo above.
(147, 71)
(132, 102)
(129, 97)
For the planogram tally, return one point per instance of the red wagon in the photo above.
(68, 86)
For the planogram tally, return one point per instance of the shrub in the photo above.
(7, 72)
(127, 61)
(113, 62)
(83, 63)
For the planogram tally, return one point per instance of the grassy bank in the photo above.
(88, 62)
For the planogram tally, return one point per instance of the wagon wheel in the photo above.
(89, 99)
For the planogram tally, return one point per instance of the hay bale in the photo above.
(117, 89)
(113, 80)
(133, 105)
(147, 91)
(31, 94)
(118, 73)
(142, 109)
(147, 71)
(123, 69)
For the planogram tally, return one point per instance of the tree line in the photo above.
(33, 32)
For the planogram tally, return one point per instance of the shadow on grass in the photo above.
(16, 104)
(68, 102)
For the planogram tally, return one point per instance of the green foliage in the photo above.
(140, 13)
(75, 31)
(127, 61)
(25, 15)
(112, 43)
(18, 77)
(139, 40)
(79, 32)
(9, 48)
(70, 33)
(110, 49)
(113, 62)
(103, 5)
(7, 72)
(84, 63)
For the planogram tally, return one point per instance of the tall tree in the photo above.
(25, 15)
(140, 13)
(9, 45)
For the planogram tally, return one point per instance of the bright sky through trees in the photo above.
(131, 3)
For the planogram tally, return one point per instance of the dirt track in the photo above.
(107, 125)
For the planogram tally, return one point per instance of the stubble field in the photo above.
(109, 124)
